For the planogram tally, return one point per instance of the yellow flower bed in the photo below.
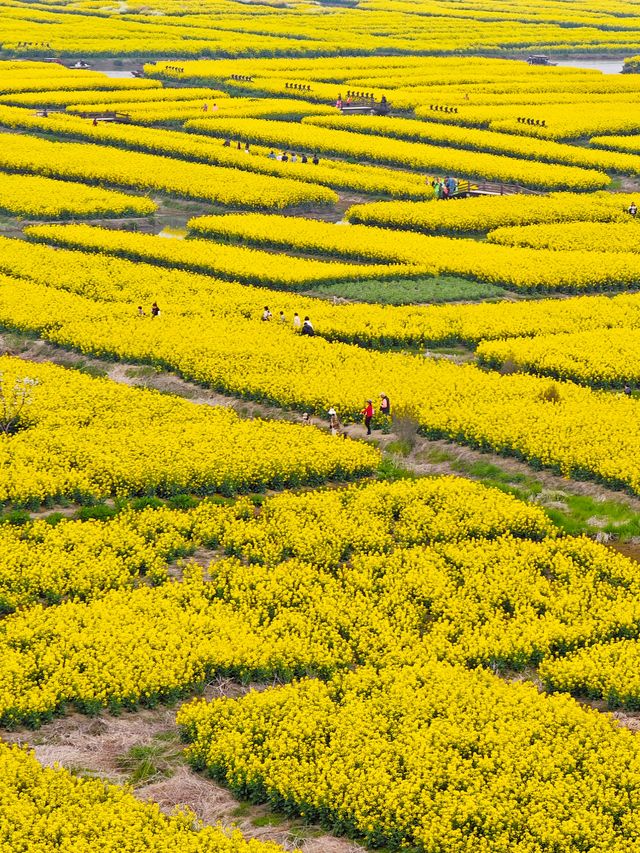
(630, 143)
(235, 262)
(485, 213)
(84, 99)
(186, 294)
(98, 164)
(512, 267)
(602, 357)
(40, 562)
(87, 438)
(479, 140)
(194, 147)
(400, 153)
(53, 809)
(428, 758)
(606, 671)
(378, 594)
(35, 197)
(587, 434)
(571, 236)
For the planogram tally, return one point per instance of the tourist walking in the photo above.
(368, 415)
(385, 405)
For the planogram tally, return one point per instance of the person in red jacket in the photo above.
(368, 415)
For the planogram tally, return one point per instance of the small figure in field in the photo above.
(281, 317)
(285, 157)
(205, 107)
(271, 155)
(333, 419)
(315, 160)
(246, 148)
(306, 420)
(303, 159)
(307, 328)
(294, 157)
(141, 312)
(385, 405)
(155, 311)
(296, 322)
(266, 314)
(95, 122)
(226, 143)
(368, 415)
(239, 146)
(215, 108)
(632, 209)
(627, 389)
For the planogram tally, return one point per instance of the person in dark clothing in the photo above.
(315, 160)
(627, 389)
(155, 311)
(307, 328)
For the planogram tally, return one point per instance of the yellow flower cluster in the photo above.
(601, 358)
(97, 164)
(235, 262)
(571, 236)
(630, 144)
(400, 153)
(84, 99)
(608, 671)
(87, 438)
(428, 758)
(194, 147)
(588, 434)
(474, 139)
(81, 559)
(52, 809)
(486, 213)
(182, 293)
(378, 575)
(35, 197)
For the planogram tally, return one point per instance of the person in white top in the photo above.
(296, 322)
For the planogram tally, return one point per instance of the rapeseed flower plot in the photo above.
(53, 809)
(401, 153)
(475, 139)
(605, 358)
(200, 148)
(35, 197)
(429, 757)
(85, 438)
(236, 262)
(484, 214)
(421, 582)
(70, 160)
(606, 671)
(572, 236)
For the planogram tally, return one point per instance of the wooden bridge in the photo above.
(476, 188)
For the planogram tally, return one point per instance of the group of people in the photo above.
(293, 158)
(284, 157)
(368, 411)
(154, 312)
(205, 108)
(305, 327)
(335, 427)
(246, 149)
(444, 188)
